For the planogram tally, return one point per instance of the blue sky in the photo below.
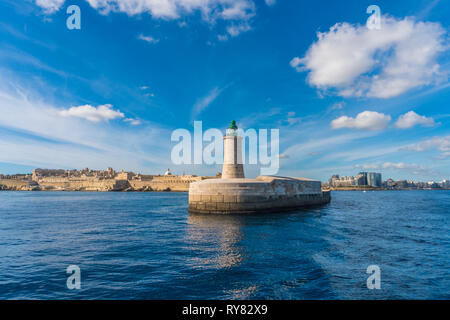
(345, 98)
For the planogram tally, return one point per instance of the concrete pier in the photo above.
(263, 194)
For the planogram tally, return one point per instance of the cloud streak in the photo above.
(437, 143)
(148, 39)
(205, 101)
(409, 167)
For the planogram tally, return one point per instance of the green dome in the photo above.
(233, 125)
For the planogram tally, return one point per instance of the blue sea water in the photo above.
(147, 246)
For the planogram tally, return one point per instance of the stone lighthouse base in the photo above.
(263, 194)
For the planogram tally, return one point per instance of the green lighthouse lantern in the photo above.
(232, 129)
(233, 125)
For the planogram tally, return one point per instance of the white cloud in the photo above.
(148, 39)
(237, 13)
(132, 121)
(356, 61)
(440, 143)
(88, 112)
(222, 37)
(400, 165)
(236, 29)
(50, 6)
(369, 166)
(211, 10)
(292, 119)
(368, 120)
(270, 2)
(296, 63)
(338, 105)
(147, 93)
(230, 9)
(168, 9)
(411, 119)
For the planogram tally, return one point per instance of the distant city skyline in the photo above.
(345, 98)
(169, 171)
(375, 179)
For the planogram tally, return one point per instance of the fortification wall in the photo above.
(70, 179)
(83, 184)
(164, 183)
(155, 185)
(17, 185)
(158, 183)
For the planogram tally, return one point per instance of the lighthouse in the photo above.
(232, 156)
(234, 194)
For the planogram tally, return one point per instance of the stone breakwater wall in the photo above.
(83, 184)
(94, 184)
(181, 186)
(263, 194)
(18, 185)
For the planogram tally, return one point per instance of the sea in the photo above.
(363, 245)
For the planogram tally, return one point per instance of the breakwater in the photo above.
(260, 195)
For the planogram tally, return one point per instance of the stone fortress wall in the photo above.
(97, 180)
(17, 185)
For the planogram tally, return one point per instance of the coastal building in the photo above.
(345, 181)
(122, 175)
(389, 183)
(374, 179)
(333, 179)
(362, 179)
(41, 173)
(433, 185)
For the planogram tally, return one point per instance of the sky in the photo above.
(345, 97)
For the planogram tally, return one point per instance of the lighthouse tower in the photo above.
(232, 155)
